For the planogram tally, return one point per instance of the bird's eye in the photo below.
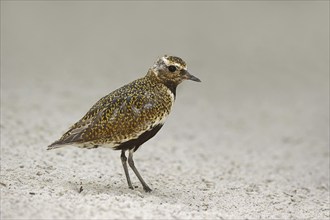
(172, 68)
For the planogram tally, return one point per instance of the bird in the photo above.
(130, 115)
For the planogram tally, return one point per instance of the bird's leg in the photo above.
(131, 164)
(124, 162)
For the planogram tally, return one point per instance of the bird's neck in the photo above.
(169, 84)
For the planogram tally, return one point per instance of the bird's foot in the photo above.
(147, 189)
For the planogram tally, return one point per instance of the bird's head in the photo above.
(172, 70)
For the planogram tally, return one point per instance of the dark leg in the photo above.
(124, 162)
(131, 164)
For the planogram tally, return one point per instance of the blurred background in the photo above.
(263, 102)
(249, 55)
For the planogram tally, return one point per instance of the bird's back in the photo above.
(134, 112)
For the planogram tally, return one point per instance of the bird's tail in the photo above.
(56, 144)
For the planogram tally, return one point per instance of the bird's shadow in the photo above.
(95, 187)
(117, 188)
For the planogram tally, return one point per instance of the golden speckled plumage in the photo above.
(130, 115)
(122, 115)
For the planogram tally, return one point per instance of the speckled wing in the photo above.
(123, 115)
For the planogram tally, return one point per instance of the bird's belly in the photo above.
(124, 144)
(129, 140)
(138, 141)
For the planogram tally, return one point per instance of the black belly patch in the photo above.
(136, 143)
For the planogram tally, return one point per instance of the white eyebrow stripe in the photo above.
(166, 61)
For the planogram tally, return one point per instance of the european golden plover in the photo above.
(130, 115)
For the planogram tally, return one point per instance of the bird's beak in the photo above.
(187, 75)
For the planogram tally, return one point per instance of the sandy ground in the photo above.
(251, 141)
